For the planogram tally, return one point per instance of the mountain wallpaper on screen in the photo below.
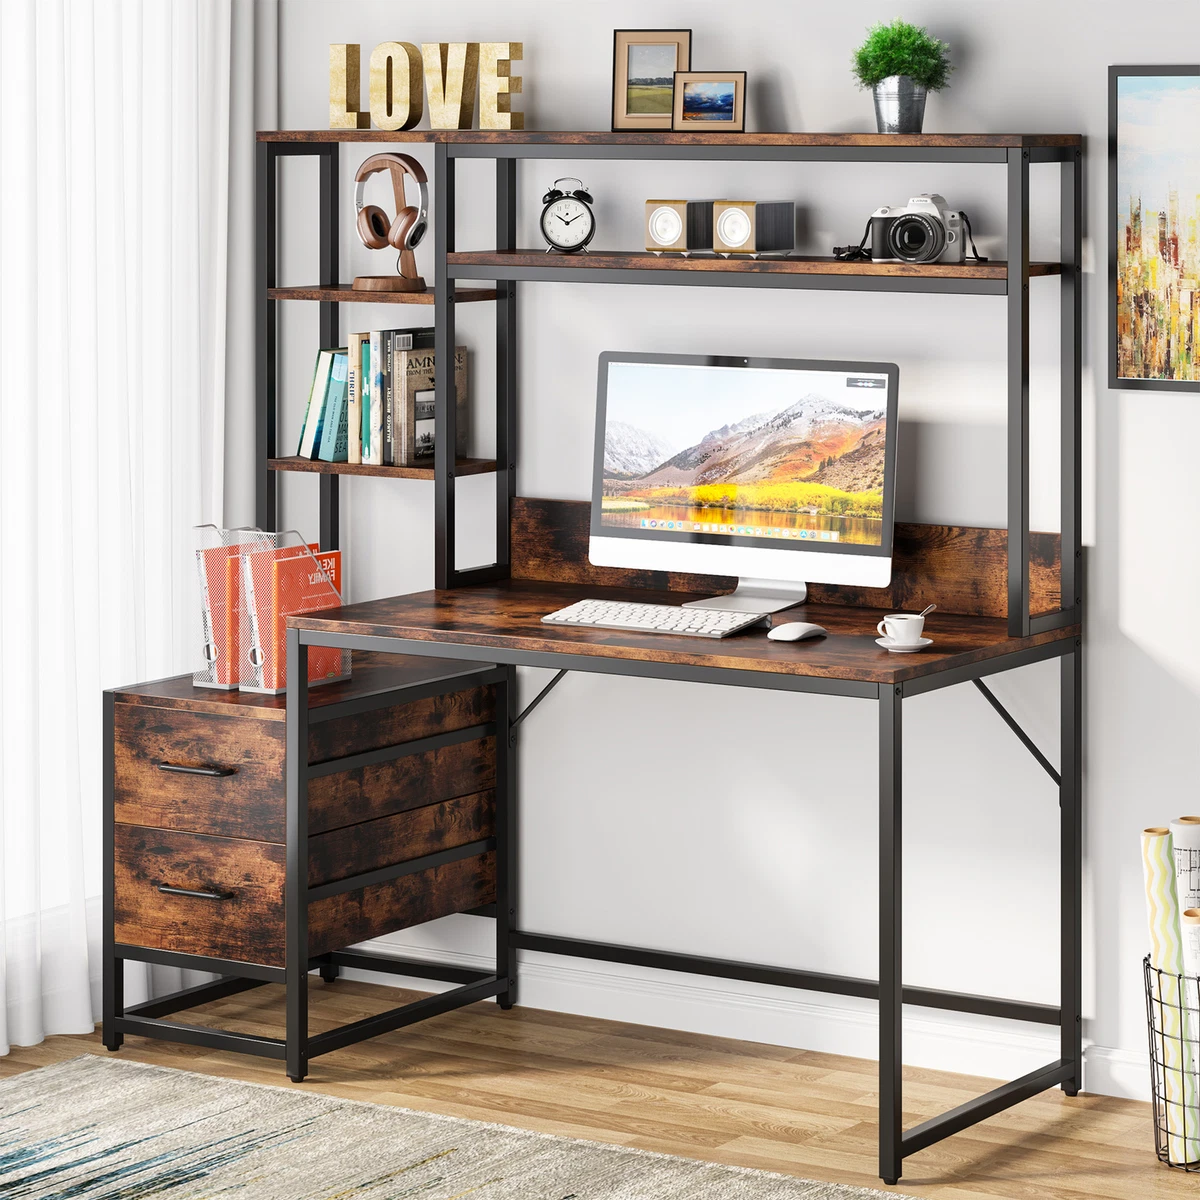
(815, 455)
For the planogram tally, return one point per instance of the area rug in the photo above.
(110, 1129)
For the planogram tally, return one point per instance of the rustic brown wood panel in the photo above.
(247, 927)
(960, 568)
(603, 137)
(372, 845)
(248, 804)
(401, 723)
(340, 921)
(343, 293)
(367, 793)
(509, 616)
(462, 466)
(371, 674)
(491, 261)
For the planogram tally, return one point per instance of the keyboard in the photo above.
(653, 618)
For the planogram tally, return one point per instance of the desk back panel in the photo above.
(960, 568)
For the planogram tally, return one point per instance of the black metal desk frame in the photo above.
(1017, 157)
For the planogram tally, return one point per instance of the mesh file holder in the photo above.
(1173, 1025)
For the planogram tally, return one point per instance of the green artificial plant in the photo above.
(903, 49)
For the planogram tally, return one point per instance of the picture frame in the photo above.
(709, 101)
(1152, 197)
(644, 66)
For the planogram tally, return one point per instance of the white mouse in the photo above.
(795, 631)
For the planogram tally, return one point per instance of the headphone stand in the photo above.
(407, 281)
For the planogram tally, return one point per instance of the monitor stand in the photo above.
(756, 596)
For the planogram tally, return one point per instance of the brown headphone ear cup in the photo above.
(374, 227)
(401, 225)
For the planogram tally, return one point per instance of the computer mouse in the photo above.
(795, 631)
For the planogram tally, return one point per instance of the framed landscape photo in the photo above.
(1154, 214)
(713, 101)
(644, 66)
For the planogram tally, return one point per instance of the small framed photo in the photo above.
(644, 66)
(709, 100)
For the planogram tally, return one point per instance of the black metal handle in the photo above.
(168, 890)
(211, 772)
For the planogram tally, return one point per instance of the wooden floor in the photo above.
(771, 1107)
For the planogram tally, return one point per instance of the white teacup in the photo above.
(902, 628)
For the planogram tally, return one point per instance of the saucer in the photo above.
(895, 648)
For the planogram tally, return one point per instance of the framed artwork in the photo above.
(709, 100)
(1154, 224)
(644, 66)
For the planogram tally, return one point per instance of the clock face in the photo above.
(733, 227)
(665, 225)
(567, 223)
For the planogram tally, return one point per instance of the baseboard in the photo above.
(934, 1039)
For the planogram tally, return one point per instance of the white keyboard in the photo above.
(653, 618)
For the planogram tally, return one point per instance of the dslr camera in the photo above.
(925, 230)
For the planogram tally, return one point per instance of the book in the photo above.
(274, 585)
(316, 402)
(335, 426)
(415, 377)
(367, 389)
(378, 370)
(385, 344)
(354, 395)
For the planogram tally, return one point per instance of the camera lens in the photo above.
(916, 238)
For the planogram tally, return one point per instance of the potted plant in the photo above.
(901, 63)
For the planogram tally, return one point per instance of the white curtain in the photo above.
(122, 133)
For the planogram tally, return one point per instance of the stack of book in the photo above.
(372, 401)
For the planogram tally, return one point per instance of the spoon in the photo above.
(927, 610)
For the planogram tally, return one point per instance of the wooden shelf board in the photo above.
(563, 137)
(503, 260)
(343, 293)
(462, 466)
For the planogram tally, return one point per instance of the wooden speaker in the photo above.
(677, 226)
(754, 226)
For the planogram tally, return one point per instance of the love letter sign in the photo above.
(446, 75)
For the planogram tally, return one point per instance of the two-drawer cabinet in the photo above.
(213, 863)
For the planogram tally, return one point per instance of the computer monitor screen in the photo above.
(781, 455)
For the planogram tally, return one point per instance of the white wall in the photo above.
(740, 823)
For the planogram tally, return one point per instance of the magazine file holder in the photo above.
(279, 580)
(216, 627)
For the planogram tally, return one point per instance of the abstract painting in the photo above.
(1154, 253)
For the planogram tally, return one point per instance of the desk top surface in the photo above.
(508, 616)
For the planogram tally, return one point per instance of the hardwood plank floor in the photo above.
(753, 1105)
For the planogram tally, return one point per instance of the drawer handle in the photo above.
(211, 772)
(168, 890)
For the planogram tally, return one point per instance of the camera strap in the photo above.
(971, 238)
(855, 253)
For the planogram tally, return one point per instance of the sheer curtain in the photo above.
(124, 132)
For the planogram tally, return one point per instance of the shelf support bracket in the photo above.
(537, 700)
(1011, 722)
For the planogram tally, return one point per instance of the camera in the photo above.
(925, 230)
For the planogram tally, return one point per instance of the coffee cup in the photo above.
(902, 628)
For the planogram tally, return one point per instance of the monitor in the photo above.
(778, 471)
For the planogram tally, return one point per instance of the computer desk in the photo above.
(500, 622)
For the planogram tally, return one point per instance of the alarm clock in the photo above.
(754, 226)
(678, 226)
(568, 222)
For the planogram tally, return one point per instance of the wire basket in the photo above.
(1173, 1024)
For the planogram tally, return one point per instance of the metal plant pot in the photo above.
(899, 105)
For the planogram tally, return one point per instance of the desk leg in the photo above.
(891, 1006)
(296, 887)
(1071, 866)
(506, 836)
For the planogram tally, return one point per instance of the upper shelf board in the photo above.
(533, 143)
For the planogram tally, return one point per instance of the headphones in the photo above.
(555, 194)
(375, 228)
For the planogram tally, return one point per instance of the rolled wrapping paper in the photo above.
(1166, 953)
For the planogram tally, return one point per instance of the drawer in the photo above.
(371, 845)
(240, 917)
(231, 781)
